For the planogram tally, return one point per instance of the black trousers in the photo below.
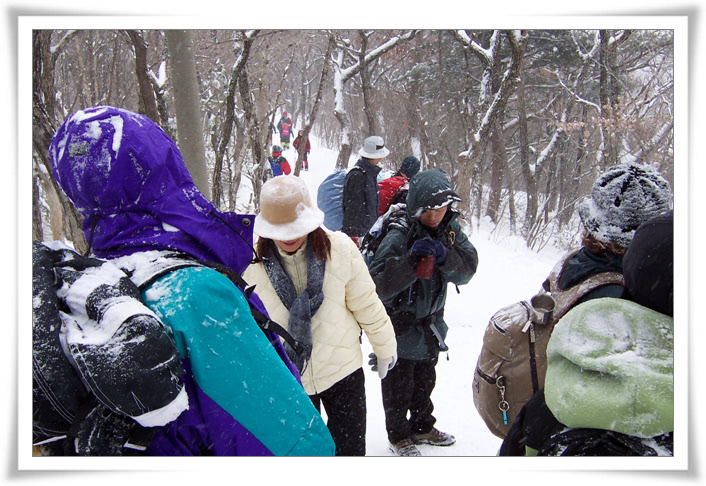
(345, 408)
(407, 388)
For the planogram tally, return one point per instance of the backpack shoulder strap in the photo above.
(567, 298)
(265, 323)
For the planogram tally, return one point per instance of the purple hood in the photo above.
(128, 179)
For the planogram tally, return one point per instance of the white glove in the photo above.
(385, 365)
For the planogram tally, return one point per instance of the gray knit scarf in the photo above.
(303, 307)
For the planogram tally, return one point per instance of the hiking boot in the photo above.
(434, 437)
(405, 448)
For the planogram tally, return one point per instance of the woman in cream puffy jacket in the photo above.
(315, 284)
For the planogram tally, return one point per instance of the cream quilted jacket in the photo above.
(350, 304)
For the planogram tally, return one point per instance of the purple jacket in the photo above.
(128, 179)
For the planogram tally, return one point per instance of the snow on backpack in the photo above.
(513, 362)
(105, 371)
(395, 217)
(329, 198)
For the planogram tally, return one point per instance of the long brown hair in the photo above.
(319, 241)
(600, 248)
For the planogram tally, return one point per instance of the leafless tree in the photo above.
(522, 121)
(347, 63)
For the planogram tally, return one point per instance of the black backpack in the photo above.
(99, 357)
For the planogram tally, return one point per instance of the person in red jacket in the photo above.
(394, 189)
(297, 142)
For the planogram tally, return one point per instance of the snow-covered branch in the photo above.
(56, 48)
(352, 70)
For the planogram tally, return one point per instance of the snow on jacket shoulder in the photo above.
(350, 304)
(610, 365)
(234, 364)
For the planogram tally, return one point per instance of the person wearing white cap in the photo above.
(315, 284)
(361, 197)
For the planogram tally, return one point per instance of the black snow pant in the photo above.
(345, 408)
(407, 388)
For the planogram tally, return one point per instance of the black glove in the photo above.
(373, 361)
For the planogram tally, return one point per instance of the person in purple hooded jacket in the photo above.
(142, 210)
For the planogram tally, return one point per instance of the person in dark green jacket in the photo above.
(429, 234)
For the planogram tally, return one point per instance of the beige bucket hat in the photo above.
(286, 210)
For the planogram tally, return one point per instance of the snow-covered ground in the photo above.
(507, 272)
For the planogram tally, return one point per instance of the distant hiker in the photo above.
(394, 189)
(360, 191)
(297, 142)
(314, 282)
(278, 163)
(612, 394)
(411, 270)
(622, 198)
(142, 210)
(285, 129)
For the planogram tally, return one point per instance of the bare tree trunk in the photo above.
(373, 128)
(498, 163)
(43, 122)
(339, 111)
(37, 231)
(161, 99)
(528, 174)
(54, 202)
(253, 131)
(303, 106)
(187, 103)
(609, 156)
(147, 97)
(238, 157)
(497, 144)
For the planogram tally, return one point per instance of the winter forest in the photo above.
(522, 120)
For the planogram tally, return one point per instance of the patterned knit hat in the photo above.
(622, 198)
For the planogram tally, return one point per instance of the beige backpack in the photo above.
(513, 360)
